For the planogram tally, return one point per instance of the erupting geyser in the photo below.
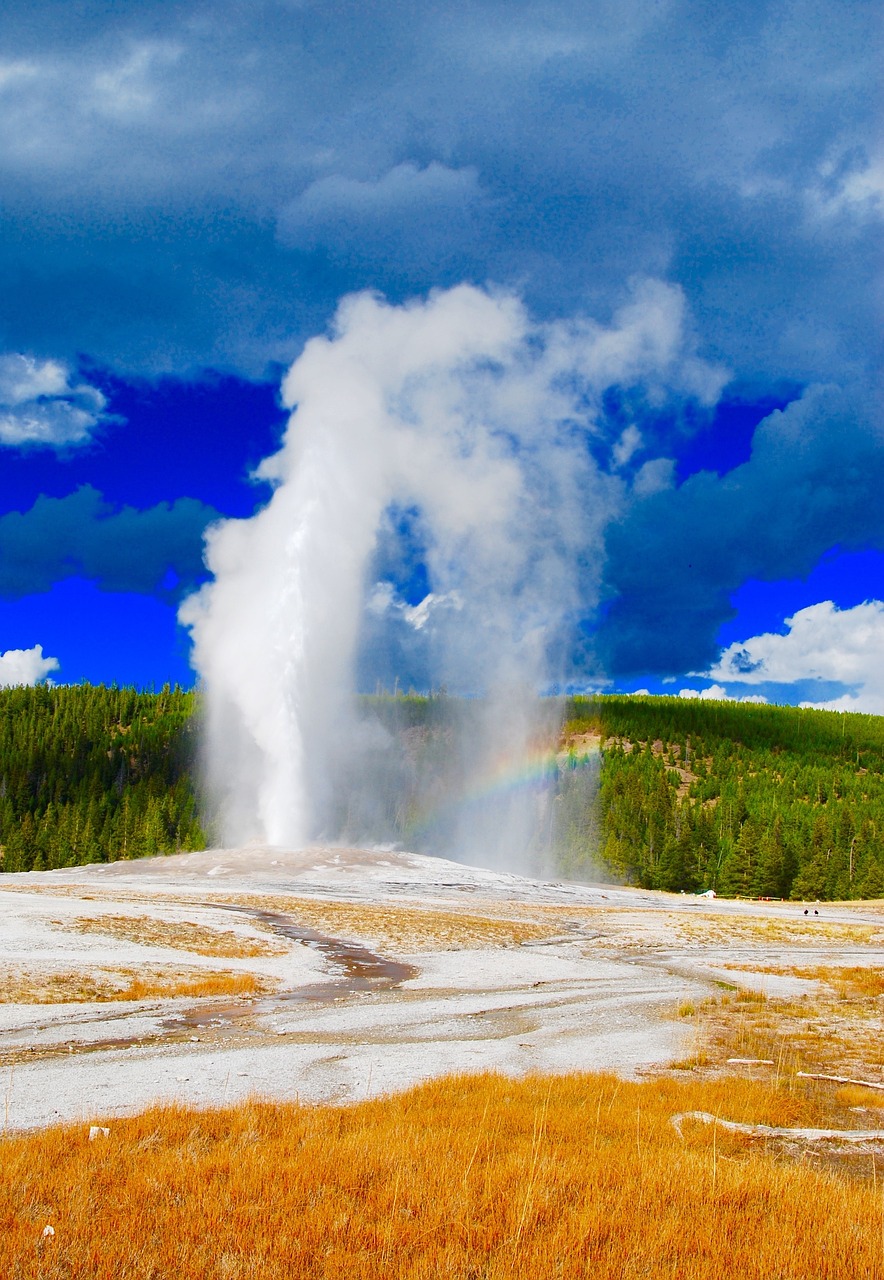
(479, 423)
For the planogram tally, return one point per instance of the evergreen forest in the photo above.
(91, 774)
(747, 799)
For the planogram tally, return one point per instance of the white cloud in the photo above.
(649, 340)
(850, 182)
(130, 87)
(628, 444)
(16, 72)
(717, 693)
(823, 643)
(41, 407)
(25, 666)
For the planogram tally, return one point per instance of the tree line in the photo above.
(745, 799)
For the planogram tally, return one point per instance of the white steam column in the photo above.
(456, 406)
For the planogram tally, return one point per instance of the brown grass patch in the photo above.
(855, 1097)
(850, 982)
(102, 985)
(178, 935)
(828, 1032)
(723, 929)
(485, 1177)
(411, 928)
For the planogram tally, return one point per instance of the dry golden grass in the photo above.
(854, 1097)
(579, 1176)
(417, 928)
(852, 982)
(713, 928)
(829, 1032)
(411, 928)
(179, 935)
(19, 986)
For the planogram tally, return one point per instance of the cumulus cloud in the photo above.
(677, 556)
(714, 693)
(25, 666)
(156, 551)
(822, 642)
(717, 693)
(41, 406)
(384, 601)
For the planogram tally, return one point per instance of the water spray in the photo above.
(460, 410)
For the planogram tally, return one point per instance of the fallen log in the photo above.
(772, 1131)
(817, 1075)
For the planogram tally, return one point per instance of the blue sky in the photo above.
(187, 191)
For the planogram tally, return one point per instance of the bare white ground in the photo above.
(596, 987)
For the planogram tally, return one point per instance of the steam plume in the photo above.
(460, 410)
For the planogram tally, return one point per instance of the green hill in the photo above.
(747, 799)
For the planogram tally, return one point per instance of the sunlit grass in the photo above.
(467, 1177)
(855, 1097)
(850, 982)
(401, 925)
(839, 1029)
(180, 935)
(411, 928)
(715, 929)
(148, 983)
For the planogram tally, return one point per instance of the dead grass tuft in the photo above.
(464, 1177)
(718, 929)
(855, 1097)
(179, 936)
(854, 982)
(830, 1032)
(148, 983)
(408, 928)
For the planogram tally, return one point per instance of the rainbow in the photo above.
(508, 774)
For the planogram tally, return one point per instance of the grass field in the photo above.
(464, 1177)
(840, 1028)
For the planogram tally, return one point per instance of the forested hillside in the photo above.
(747, 799)
(89, 774)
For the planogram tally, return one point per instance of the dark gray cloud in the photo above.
(187, 184)
(156, 552)
(674, 561)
